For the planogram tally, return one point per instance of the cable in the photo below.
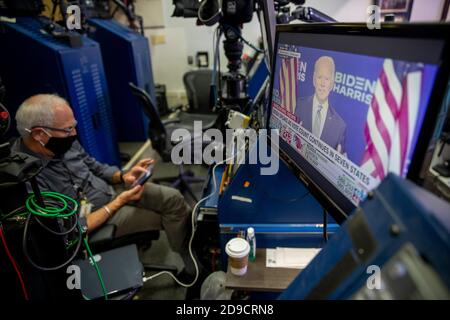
(71, 229)
(14, 264)
(214, 81)
(193, 233)
(34, 208)
(66, 207)
(14, 213)
(209, 21)
(219, 74)
(25, 250)
(238, 33)
(97, 269)
(56, 205)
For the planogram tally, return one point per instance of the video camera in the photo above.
(230, 15)
(302, 13)
(209, 12)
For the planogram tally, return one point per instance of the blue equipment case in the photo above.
(32, 61)
(126, 57)
(279, 208)
(403, 231)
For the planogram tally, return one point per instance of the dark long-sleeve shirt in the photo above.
(76, 170)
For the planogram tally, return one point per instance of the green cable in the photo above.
(96, 268)
(71, 244)
(59, 212)
(56, 212)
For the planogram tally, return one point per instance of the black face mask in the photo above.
(59, 146)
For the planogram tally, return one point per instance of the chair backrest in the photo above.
(197, 84)
(156, 130)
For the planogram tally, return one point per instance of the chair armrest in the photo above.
(176, 108)
(169, 121)
(104, 234)
(190, 139)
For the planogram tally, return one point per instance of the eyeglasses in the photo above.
(67, 130)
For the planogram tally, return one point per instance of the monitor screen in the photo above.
(350, 106)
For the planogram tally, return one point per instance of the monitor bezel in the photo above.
(339, 206)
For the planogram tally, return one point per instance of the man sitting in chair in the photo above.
(48, 131)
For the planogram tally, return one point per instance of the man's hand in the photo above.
(98, 217)
(131, 176)
(127, 196)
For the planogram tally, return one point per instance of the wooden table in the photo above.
(261, 278)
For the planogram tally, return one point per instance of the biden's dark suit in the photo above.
(334, 128)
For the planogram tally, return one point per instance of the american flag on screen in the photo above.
(391, 118)
(288, 83)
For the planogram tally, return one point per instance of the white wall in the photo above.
(355, 10)
(178, 39)
(342, 10)
(427, 10)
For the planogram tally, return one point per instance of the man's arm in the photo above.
(104, 171)
(100, 216)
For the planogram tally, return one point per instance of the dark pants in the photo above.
(159, 208)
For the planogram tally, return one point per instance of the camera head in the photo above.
(302, 13)
(210, 12)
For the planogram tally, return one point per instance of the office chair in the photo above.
(197, 84)
(159, 132)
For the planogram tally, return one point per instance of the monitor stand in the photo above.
(279, 207)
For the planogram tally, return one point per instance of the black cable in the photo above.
(114, 11)
(74, 225)
(71, 228)
(27, 256)
(239, 35)
(15, 211)
(325, 225)
(219, 75)
(55, 5)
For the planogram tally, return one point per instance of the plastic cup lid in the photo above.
(237, 248)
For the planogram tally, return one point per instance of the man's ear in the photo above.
(37, 135)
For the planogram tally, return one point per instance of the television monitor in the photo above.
(352, 104)
(267, 18)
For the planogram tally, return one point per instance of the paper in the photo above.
(294, 258)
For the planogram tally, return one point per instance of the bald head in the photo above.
(324, 70)
(43, 110)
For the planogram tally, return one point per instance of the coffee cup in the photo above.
(237, 250)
